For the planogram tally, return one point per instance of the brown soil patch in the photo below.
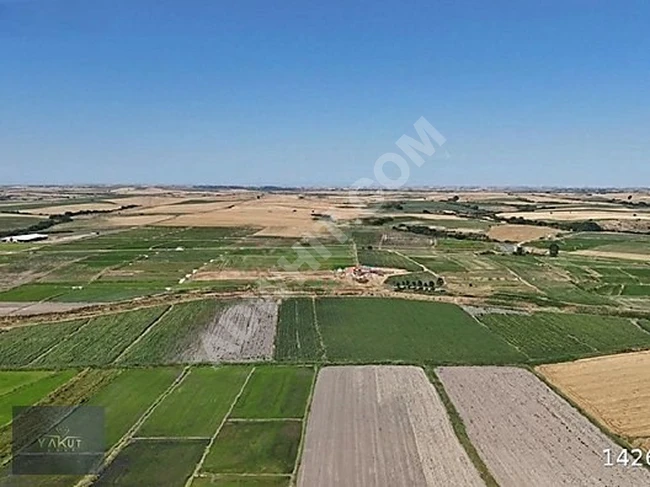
(615, 390)
(579, 214)
(520, 233)
(528, 435)
(276, 215)
(381, 426)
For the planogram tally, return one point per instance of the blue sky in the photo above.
(312, 93)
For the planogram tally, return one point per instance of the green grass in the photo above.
(174, 335)
(23, 344)
(383, 258)
(198, 405)
(380, 330)
(10, 222)
(275, 392)
(296, 337)
(12, 380)
(561, 336)
(31, 393)
(35, 292)
(102, 340)
(258, 447)
(128, 396)
(439, 264)
(153, 463)
(242, 481)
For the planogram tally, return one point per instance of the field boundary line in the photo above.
(460, 431)
(262, 420)
(240, 474)
(303, 433)
(635, 322)
(144, 333)
(356, 252)
(128, 436)
(199, 465)
(170, 438)
(422, 266)
(317, 327)
(60, 342)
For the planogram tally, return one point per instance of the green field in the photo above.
(102, 340)
(13, 380)
(384, 258)
(198, 405)
(275, 392)
(394, 330)
(241, 481)
(258, 447)
(128, 397)
(296, 336)
(153, 463)
(174, 334)
(31, 393)
(22, 345)
(559, 336)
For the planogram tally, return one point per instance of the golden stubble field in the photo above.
(614, 390)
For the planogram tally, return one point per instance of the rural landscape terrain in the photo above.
(276, 337)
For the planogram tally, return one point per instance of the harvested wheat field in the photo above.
(528, 435)
(520, 233)
(578, 214)
(380, 426)
(59, 210)
(243, 331)
(615, 390)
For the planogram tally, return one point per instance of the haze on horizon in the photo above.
(290, 94)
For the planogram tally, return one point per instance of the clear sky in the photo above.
(312, 93)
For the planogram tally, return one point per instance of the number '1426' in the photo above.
(626, 458)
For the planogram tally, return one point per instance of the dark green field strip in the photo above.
(154, 464)
(255, 447)
(439, 264)
(296, 337)
(382, 258)
(102, 340)
(34, 292)
(378, 330)
(563, 336)
(31, 393)
(128, 397)
(7, 479)
(10, 381)
(198, 405)
(22, 345)
(174, 335)
(103, 291)
(275, 392)
(214, 480)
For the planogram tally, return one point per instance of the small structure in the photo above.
(31, 237)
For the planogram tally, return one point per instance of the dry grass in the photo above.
(56, 210)
(615, 390)
(520, 233)
(579, 214)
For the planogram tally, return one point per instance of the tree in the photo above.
(432, 285)
(554, 250)
(440, 281)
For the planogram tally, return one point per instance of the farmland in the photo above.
(559, 336)
(398, 330)
(222, 356)
(396, 410)
(612, 389)
(544, 441)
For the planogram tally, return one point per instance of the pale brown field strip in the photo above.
(377, 426)
(528, 435)
(614, 390)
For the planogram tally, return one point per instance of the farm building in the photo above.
(32, 237)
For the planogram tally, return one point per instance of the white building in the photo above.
(31, 237)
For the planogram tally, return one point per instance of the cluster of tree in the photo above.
(442, 233)
(419, 285)
(377, 221)
(392, 205)
(579, 226)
